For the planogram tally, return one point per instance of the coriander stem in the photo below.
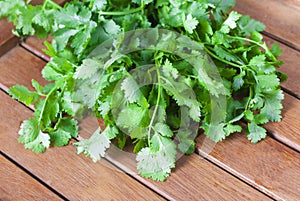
(121, 12)
(156, 105)
(250, 97)
(246, 39)
(254, 42)
(52, 4)
(45, 103)
(220, 59)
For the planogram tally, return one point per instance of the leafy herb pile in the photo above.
(151, 114)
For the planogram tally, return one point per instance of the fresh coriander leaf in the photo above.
(37, 86)
(248, 25)
(131, 116)
(163, 129)
(256, 133)
(132, 92)
(275, 49)
(230, 22)
(88, 68)
(33, 137)
(157, 164)
(230, 128)
(22, 94)
(189, 23)
(272, 105)
(95, 146)
(238, 81)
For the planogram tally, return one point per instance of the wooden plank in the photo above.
(290, 67)
(7, 39)
(288, 130)
(194, 178)
(185, 179)
(29, 66)
(36, 46)
(17, 185)
(268, 165)
(282, 21)
(75, 177)
(294, 3)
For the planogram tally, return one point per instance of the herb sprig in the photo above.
(150, 114)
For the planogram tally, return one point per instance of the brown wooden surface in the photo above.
(281, 20)
(194, 178)
(7, 39)
(74, 176)
(183, 179)
(18, 185)
(268, 165)
(288, 130)
(291, 59)
(36, 46)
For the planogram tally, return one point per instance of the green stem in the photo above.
(51, 3)
(156, 105)
(249, 99)
(121, 12)
(264, 46)
(45, 103)
(220, 59)
(248, 40)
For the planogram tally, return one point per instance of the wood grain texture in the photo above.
(36, 46)
(185, 179)
(18, 185)
(18, 63)
(7, 39)
(74, 176)
(268, 165)
(291, 59)
(282, 21)
(194, 178)
(294, 3)
(288, 130)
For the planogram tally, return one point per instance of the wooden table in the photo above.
(234, 170)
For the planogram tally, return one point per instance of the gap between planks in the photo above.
(24, 173)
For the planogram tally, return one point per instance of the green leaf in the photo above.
(66, 129)
(51, 110)
(230, 22)
(22, 94)
(33, 137)
(275, 49)
(88, 68)
(132, 92)
(256, 133)
(186, 141)
(163, 129)
(272, 105)
(131, 116)
(248, 25)
(95, 146)
(157, 164)
(69, 106)
(268, 82)
(57, 69)
(230, 128)
(238, 81)
(215, 132)
(37, 86)
(189, 23)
